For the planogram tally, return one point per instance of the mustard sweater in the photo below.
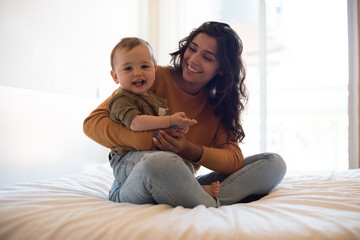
(218, 154)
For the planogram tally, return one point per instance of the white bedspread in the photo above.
(322, 205)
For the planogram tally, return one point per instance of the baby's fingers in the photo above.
(189, 122)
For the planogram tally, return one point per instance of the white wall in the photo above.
(63, 46)
(54, 70)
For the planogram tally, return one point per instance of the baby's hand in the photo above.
(179, 119)
(183, 130)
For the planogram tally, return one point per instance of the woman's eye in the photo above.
(207, 58)
(192, 49)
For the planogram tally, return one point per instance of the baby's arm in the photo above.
(180, 120)
(147, 122)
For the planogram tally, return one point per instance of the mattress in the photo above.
(306, 205)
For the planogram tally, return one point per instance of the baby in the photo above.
(133, 105)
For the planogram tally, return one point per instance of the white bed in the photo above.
(306, 205)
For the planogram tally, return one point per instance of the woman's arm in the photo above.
(224, 156)
(225, 159)
(99, 127)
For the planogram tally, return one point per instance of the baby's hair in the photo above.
(129, 43)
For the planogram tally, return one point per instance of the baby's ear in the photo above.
(114, 76)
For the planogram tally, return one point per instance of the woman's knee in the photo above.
(160, 162)
(277, 164)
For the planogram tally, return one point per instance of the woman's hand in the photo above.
(170, 139)
(173, 139)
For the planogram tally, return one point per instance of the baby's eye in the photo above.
(127, 68)
(145, 66)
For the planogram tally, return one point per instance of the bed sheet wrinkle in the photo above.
(304, 206)
(137, 221)
(202, 219)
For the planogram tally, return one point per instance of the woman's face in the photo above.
(200, 63)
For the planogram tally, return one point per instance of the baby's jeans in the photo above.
(161, 177)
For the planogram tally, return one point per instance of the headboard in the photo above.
(41, 135)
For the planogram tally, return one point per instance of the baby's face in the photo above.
(134, 69)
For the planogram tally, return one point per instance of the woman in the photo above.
(207, 83)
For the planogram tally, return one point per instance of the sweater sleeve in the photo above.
(99, 127)
(123, 109)
(224, 157)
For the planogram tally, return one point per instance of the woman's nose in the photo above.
(195, 58)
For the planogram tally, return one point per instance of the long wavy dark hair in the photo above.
(227, 92)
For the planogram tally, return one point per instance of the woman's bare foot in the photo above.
(213, 189)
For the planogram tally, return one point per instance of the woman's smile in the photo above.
(193, 69)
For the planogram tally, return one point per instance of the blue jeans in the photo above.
(161, 177)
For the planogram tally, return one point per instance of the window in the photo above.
(296, 52)
(307, 83)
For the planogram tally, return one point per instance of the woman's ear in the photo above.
(114, 76)
(220, 73)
